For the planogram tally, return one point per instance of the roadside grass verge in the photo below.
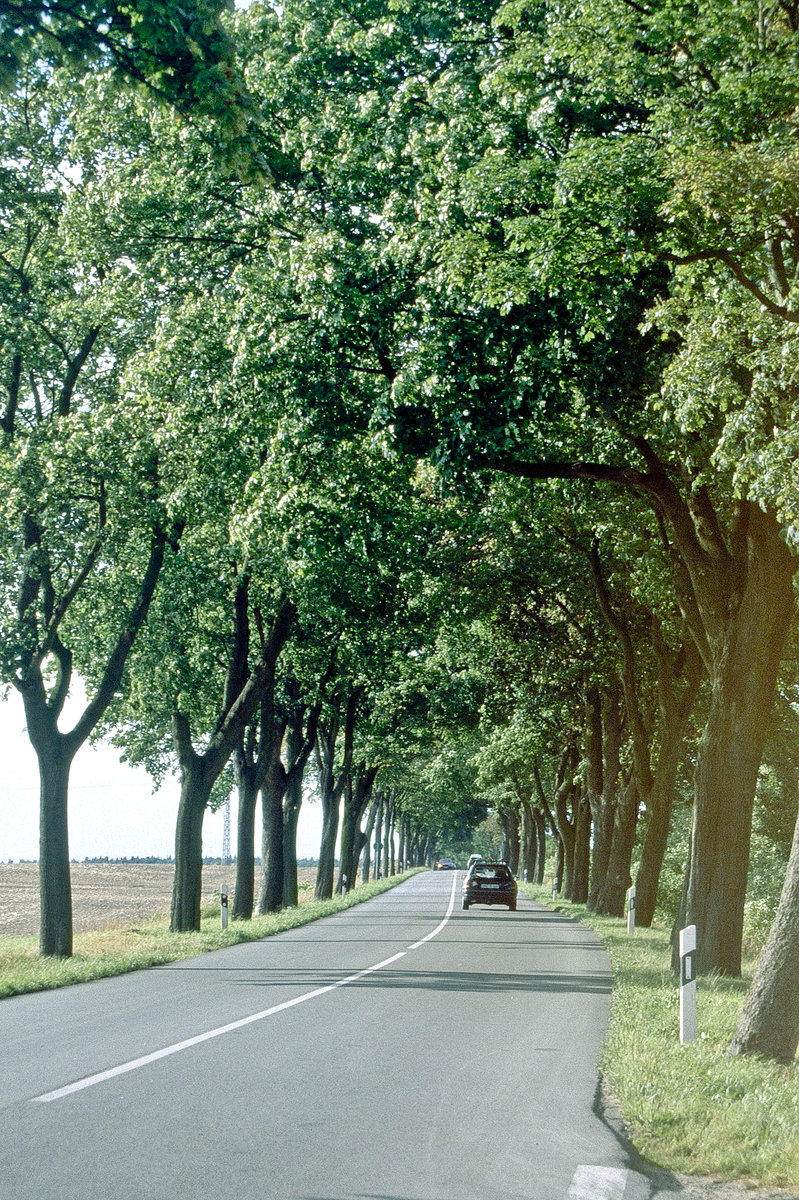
(690, 1109)
(116, 950)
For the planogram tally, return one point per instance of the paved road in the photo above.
(404, 1050)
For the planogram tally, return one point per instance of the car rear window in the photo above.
(491, 873)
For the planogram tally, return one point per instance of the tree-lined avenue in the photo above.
(405, 1082)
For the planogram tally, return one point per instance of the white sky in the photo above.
(112, 809)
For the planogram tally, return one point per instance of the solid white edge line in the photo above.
(135, 1063)
(438, 928)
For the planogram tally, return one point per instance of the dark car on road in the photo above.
(489, 883)
(446, 864)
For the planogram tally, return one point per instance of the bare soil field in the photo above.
(106, 894)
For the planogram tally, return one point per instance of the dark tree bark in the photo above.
(509, 819)
(332, 783)
(546, 814)
(356, 799)
(292, 802)
(675, 713)
(565, 793)
(366, 867)
(769, 1024)
(55, 751)
(541, 827)
(528, 858)
(582, 848)
(244, 890)
(273, 789)
(618, 878)
(735, 592)
(603, 738)
(198, 772)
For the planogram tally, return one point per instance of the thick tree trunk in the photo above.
(367, 840)
(541, 827)
(356, 799)
(529, 843)
(272, 880)
(618, 878)
(331, 786)
(769, 1023)
(327, 847)
(566, 795)
(244, 893)
(291, 815)
(745, 664)
(509, 818)
(55, 889)
(296, 755)
(199, 772)
(195, 791)
(675, 715)
(56, 751)
(582, 851)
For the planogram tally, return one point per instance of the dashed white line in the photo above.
(145, 1059)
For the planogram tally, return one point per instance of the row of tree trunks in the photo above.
(198, 772)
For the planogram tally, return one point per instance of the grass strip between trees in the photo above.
(115, 951)
(690, 1109)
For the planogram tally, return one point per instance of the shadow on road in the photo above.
(440, 981)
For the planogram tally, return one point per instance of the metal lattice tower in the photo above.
(226, 835)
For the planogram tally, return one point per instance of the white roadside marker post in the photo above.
(631, 909)
(223, 904)
(688, 984)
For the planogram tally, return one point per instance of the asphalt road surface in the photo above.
(403, 1050)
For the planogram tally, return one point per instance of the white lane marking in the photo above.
(438, 928)
(598, 1183)
(135, 1063)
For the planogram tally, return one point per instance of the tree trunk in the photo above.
(356, 799)
(55, 889)
(612, 895)
(582, 850)
(745, 664)
(366, 837)
(331, 785)
(565, 794)
(327, 847)
(769, 1023)
(509, 818)
(55, 751)
(199, 772)
(675, 715)
(603, 750)
(272, 880)
(195, 790)
(529, 843)
(291, 815)
(244, 893)
(735, 592)
(542, 845)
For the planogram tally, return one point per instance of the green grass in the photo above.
(116, 951)
(690, 1108)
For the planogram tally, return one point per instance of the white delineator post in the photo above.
(631, 909)
(688, 984)
(223, 904)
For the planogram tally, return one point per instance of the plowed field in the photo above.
(105, 894)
